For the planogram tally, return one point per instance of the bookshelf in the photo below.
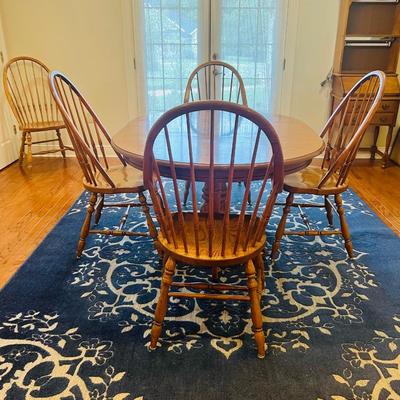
(368, 38)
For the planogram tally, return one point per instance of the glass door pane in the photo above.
(247, 35)
(172, 50)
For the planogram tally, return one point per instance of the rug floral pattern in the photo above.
(372, 368)
(313, 294)
(120, 279)
(41, 361)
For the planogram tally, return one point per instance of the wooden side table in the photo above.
(385, 116)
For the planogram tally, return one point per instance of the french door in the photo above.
(177, 35)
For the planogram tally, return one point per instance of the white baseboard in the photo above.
(52, 146)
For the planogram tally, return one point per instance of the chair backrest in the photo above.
(85, 130)
(173, 132)
(25, 82)
(346, 126)
(215, 80)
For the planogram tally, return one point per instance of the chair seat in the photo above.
(307, 180)
(126, 180)
(217, 259)
(42, 126)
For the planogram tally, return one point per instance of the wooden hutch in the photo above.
(368, 38)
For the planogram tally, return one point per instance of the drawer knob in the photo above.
(385, 106)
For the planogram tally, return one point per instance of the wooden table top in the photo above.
(300, 144)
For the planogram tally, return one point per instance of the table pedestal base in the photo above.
(220, 190)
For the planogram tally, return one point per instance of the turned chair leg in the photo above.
(28, 142)
(22, 148)
(281, 227)
(60, 142)
(99, 209)
(149, 220)
(259, 264)
(329, 211)
(162, 304)
(186, 192)
(256, 315)
(86, 224)
(343, 224)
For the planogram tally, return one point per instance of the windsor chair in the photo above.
(25, 81)
(214, 80)
(343, 134)
(210, 239)
(101, 178)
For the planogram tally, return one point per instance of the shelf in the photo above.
(371, 19)
(367, 58)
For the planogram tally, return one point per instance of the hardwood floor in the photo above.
(34, 199)
(379, 188)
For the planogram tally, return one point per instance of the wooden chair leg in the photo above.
(162, 304)
(86, 224)
(281, 227)
(256, 315)
(149, 220)
(214, 273)
(344, 226)
(259, 264)
(99, 209)
(329, 211)
(22, 148)
(28, 142)
(186, 192)
(60, 142)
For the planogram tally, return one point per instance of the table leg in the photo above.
(219, 206)
(220, 190)
(385, 161)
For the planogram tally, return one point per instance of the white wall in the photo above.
(313, 45)
(82, 38)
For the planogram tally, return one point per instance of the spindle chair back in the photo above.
(215, 80)
(87, 133)
(207, 238)
(102, 173)
(343, 134)
(347, 125)
(25, 81)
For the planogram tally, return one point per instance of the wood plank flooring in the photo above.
(34, 199)
(32, 202)
(379, 188)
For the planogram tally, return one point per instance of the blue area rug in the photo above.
(79, 329)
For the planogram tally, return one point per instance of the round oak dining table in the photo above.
(299, 142)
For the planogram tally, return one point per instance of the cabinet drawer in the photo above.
(384, 119)
(386, 106)
(379, 118)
